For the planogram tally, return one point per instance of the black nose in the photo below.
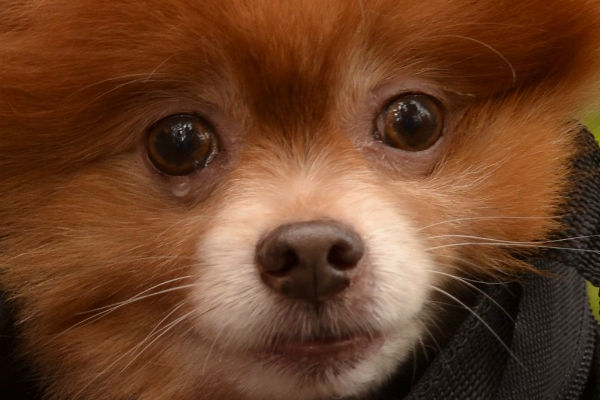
(311, 260)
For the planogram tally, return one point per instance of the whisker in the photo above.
(210, 350)
(489, 328)
(432, 337)
(116, 88)
(102, 314)
(159, 66)
(515, 241)
(476, 289)
(493, 50)
(449, 221)
(125, 354)
(491, 264)
(134, 76)
(465, 261)
(509, 244)
(157, 335)
(139, 294)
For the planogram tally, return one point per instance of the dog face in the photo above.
(261, 200)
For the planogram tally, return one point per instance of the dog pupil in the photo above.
(413, 121)
(177, 143)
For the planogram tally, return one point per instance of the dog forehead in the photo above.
(283, 62)
(283, 54)
(301, 36)
(272, 46)
(287, 59)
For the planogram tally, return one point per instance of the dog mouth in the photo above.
(321, 353)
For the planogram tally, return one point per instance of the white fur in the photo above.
(237, 311)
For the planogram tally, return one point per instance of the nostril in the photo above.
(289, 261)
(344, 255)
(276, 258)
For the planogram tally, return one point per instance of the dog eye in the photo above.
(181, 144)
(411, 122)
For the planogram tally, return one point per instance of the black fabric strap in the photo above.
(583, 218)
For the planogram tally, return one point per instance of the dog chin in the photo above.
(351, 375)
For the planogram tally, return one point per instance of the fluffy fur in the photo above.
(132, 285)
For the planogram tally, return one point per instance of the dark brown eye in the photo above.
(411, 122)
(181, 144)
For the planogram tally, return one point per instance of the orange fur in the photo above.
(85, 222)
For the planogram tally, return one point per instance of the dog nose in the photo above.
(311, 260)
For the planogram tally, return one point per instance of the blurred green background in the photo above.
(593, 122)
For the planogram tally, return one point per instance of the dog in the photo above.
(275, 200)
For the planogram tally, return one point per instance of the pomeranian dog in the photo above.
(263, 200)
